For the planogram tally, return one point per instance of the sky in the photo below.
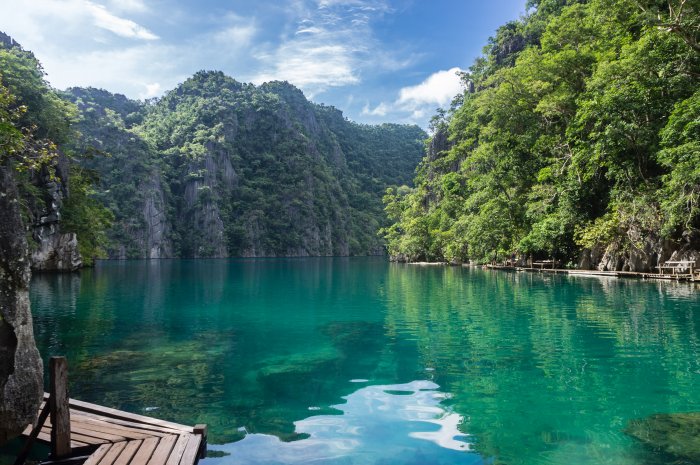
(376, 60)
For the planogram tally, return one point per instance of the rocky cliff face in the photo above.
(21, 374)
(55, 250)
(130, 178)
(217, 168)
(644, 256)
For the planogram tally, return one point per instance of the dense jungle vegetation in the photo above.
(37, 126)
(579, 131)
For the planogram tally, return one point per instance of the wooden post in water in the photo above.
(60, 411)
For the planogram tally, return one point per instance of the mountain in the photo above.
(218, 168)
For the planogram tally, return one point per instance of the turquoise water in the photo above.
(359, 361)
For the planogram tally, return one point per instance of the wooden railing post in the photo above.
(201, 430)
(60, 410)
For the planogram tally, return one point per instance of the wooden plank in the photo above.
(162, 452)
(191, 454)
(78, 428)
(178, 450)
(96, 456)
(97, 411)
(112, 453)
(143, 455)
(93, 424)
(46, 439)
(60, 411)
(114, 413)
(90, 440)
(153, 430)
(128, 452)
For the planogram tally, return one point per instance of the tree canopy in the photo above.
(582, 132)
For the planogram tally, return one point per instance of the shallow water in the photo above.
(359, 361)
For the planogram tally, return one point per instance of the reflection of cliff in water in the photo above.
(210, 341)
(533, 362)
(539, 368)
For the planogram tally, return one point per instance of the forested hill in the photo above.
(219, 168)
(215, 168)
(578, 138)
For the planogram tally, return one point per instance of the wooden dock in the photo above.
(96, 435)
(680, 277)
(619, 274)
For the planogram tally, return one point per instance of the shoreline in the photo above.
(575, 272)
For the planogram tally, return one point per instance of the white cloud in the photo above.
(119, 26)
(313, 67)
(318, 45)
(152, 90)
(81, 43)
(438, 89)
(414, 104)
(236, 35)
(41, 24)
(380, 110)
(128, 6)
(331, 45)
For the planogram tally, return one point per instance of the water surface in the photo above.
(359, 361)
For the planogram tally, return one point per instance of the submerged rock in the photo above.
(676, 434)
(21, 371)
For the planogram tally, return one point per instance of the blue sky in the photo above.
(377, 60)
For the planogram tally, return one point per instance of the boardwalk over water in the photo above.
(96, 435)
(689, 277)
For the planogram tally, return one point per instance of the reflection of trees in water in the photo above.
(539, 365)
(211, 343)
(544, 364)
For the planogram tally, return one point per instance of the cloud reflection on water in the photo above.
(384, 424)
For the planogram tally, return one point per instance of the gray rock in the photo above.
(56, 252)
(21, 372)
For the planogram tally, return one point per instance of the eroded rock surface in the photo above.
(21, 370)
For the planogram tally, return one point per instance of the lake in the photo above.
(361, 361)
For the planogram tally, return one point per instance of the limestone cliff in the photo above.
(217, 168)
(45, 123)
(54, 249)
(20, 365)
(643, 255)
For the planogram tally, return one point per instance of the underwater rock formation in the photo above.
(677, 434)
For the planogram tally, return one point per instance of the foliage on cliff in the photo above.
(36, 126)
(221, 168)
(582, 131)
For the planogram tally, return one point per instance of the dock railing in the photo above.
(677, 267)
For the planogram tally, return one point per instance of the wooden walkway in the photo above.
(96, 435)
(686, 277)
(110, 437)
